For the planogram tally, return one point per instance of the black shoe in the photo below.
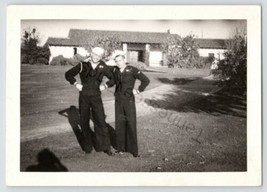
(119, 152)
(87, 151)
(109, 152)
(136, 155)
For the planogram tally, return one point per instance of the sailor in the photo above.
(91, 75)
(125, 110)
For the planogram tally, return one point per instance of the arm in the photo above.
(143, 78)
(70, 74)
(109, 74)
(63, 112)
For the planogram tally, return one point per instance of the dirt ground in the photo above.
(185, 129)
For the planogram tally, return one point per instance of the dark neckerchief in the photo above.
(92, 72)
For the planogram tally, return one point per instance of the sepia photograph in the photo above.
(134, 96)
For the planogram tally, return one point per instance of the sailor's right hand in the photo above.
(87, 59)
(78, 86)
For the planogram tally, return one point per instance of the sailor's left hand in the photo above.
(102, 87)
(135, 91)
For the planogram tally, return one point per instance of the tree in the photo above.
(43, 55)
(109, 43)
(31, 52)
(172, 48)
(182, 52)
(232, 70)
(189, 51)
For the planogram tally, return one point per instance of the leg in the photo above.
(131, 132)
(101, 130)
(84, 108)
(120, 126)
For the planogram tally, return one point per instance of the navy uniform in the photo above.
(125, 118)
(90, 99)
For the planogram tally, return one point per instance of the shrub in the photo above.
(182, 52)
(30, 51)
(59, 60)
(43, 55)
(42, 61)
(75, 59)
(232, 70)
(24, 58)
(140, 65)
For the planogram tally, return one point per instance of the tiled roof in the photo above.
(80, 37)
(61, 41)
(212, 43)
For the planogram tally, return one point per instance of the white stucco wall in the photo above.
(82, 51)
(155, 58)
(218, 53)
(66, 51)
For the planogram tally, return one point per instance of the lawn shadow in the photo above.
(153, 71)
(47, 162)
(220, 103)
(176, 81)
(73, 115)
(188, 99)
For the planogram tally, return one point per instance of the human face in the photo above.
(95, 57)
(120, 62)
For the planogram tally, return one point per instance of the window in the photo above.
(211, 55)
(74, 50)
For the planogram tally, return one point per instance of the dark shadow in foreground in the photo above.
(47, 162)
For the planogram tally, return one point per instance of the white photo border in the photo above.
(251, 13)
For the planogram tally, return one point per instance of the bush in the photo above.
(75, 59)
(232, 70)
(24, 58)
(196, 63)
(42, 61)
(43, 55)
(61, 60)
(33, 54)
(140, 65)
(182, 52)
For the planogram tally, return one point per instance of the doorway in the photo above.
(135, 56)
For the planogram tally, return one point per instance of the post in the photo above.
(147, 53)
(124, 49)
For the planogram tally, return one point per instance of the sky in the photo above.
(221, 29)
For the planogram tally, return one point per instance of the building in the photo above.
(138, 46)
(212, 47)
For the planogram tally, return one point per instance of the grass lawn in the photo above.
(206, 135)
(44, 88)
